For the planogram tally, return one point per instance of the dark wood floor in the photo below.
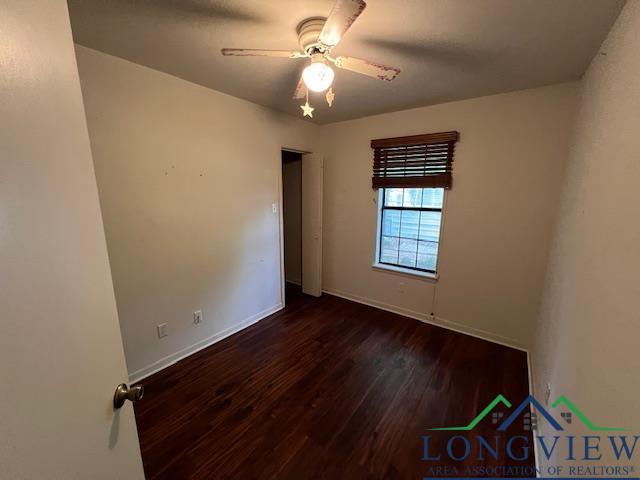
(326, 388)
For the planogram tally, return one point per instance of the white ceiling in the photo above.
(447, 49)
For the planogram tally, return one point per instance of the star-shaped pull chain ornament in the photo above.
(306, 108)
(330, 96)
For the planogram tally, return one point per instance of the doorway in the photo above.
(292, 221)
(301, 230)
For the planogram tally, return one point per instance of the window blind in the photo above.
(418, 161)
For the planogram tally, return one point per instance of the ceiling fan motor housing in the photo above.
(308, 34)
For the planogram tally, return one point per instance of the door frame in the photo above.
(281, 219)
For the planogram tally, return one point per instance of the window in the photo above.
(409, 221)
(411, 174)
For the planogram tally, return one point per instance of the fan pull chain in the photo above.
(307, 110)
(330, 96)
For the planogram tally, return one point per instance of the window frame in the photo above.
(392, 267)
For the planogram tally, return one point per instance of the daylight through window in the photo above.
(409, 220)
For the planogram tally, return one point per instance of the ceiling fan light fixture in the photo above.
(318, 36)
(318, 76)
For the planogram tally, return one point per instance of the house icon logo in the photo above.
(531, 411)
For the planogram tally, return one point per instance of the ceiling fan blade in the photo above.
(365, 67)
(301, 90)
(254, 52)
(342, 16)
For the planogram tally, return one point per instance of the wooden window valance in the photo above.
(417, 161)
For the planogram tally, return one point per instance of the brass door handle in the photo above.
(124, 393)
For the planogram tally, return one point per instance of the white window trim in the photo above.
(397, 269)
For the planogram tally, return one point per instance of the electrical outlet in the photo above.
(197, 317)
(547, 394)
(162, 330)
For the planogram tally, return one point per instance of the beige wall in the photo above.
(187, 178)
(587, 341)
(499, 214)
(292, 216)
(60, 349)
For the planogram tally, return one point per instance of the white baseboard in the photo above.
(433, 320)
(295, 282)
(532, 383)
(196, 347)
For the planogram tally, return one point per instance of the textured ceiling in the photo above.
(447, 49)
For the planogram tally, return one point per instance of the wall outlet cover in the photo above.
(162, 330)
(547, 394)
(197, 317)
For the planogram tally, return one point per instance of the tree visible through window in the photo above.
(410, 221)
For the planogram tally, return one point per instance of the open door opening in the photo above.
(302, 222)
(292, 221)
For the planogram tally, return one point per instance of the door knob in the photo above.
(124, 393)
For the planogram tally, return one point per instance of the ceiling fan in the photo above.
(317, 38)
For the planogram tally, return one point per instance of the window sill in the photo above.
(405, 271)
